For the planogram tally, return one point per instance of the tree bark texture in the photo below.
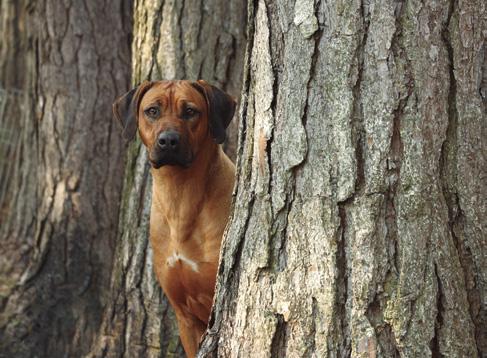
(17, 142)
(172, 40)
(360, 211)
(71, 164)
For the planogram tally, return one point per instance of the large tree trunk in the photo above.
(172, 40)
(18, 142)
(360, 212)
(70, 164)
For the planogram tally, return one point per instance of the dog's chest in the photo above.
(180, 262)
(186, 252)
(189, 283)
(188, 274)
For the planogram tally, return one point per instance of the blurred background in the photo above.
(75, 265)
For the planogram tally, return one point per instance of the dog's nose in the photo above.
(168, 140)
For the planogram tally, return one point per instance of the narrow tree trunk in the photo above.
(360, 212)
(70, 164)
(172, 40)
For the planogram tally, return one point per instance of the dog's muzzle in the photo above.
(170, 150)
(168, 142)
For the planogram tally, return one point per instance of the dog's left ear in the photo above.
(126, 107)
(221, 107)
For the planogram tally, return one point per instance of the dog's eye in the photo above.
(152, 112)
(189, 112)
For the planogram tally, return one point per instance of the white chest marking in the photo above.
(177, 257)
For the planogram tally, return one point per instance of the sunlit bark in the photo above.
(359, 225)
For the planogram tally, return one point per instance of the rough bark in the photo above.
(172, 40)
(359, 222)
(70, 164)
(17, 141)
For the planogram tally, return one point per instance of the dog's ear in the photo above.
(221, 108)
(126, 107)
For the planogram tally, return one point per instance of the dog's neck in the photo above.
(180, 194)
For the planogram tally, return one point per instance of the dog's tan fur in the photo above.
(190, 205)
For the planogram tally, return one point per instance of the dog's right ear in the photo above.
(126, 107)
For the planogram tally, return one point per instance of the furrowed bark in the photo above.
(463, 155)
(18, 141)
(359, 209)
(70, 165)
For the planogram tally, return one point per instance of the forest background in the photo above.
(359, 219)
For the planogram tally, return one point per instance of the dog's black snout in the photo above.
(168, 140)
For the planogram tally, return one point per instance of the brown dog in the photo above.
(182, 124)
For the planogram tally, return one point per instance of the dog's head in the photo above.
(175, 118)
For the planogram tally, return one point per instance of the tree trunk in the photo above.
(360, 211)
(17, 143)
(70, 163)
(172, 40)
